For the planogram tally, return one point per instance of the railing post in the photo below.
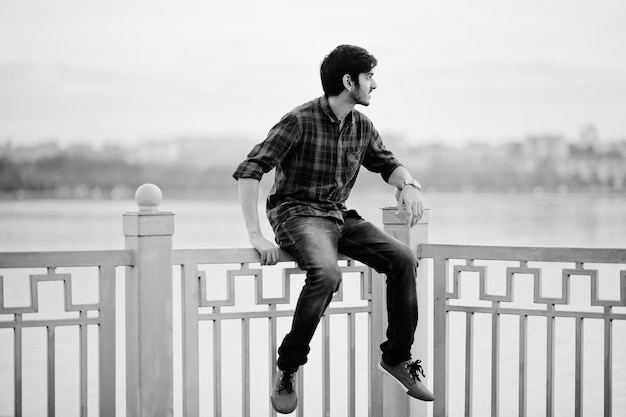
(149, 335)
(394, 398)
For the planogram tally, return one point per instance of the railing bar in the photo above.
(191, 377)
(84, 398)
(469, 362)
(495, 363)
(226, 256)
(326, 364)
(376, 324)
(351, 365)
(277, 313)
(608, 365)
(271, 320)
(537, 313)
(107, 341)
(45, 323)
(17, 365)
(217, 367)
(515, 253)
(245, 365)
(523, 363)
(221, 256)
(440, 336)
(300, 389)
(578, 373)
(69, 259)
(51, 368)
(550, 362)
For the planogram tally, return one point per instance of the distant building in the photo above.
(23, 154)
(542, 147)
(589, 137)
(160, 152)
(192, 152)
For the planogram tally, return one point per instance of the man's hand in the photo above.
(410, 203)
(269, 252)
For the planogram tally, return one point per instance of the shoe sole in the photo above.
(287, 411)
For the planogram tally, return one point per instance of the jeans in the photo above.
(314, 242)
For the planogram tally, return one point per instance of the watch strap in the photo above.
(413, 182)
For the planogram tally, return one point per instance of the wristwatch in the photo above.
(412, 182)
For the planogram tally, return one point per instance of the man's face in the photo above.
(362, 93)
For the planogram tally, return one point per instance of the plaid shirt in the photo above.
(316, 163)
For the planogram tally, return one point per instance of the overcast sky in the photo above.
(450, 70)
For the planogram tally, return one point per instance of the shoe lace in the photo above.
(286, 382)
(415, 369)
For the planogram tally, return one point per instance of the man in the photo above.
(317, 150)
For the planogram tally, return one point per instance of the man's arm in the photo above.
(410, 198)
(379, 159)
(249, 200)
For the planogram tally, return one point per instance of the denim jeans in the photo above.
(314, 242)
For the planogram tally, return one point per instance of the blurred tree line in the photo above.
(72, 176)
(204, 167)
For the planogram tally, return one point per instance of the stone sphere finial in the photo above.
(148, 197)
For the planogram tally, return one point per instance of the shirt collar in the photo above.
(329, 111)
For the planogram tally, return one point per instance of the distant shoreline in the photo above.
(231, 194)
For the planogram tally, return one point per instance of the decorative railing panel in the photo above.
(549, 297)
(200, 274)
(37, 310)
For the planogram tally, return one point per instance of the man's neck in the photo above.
(341, 105)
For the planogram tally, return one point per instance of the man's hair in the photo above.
(344, 59)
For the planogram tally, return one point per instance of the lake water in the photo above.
(560, 220)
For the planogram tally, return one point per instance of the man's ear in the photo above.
(347, 82)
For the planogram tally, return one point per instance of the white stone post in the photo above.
(396, 401)
(149, 339)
